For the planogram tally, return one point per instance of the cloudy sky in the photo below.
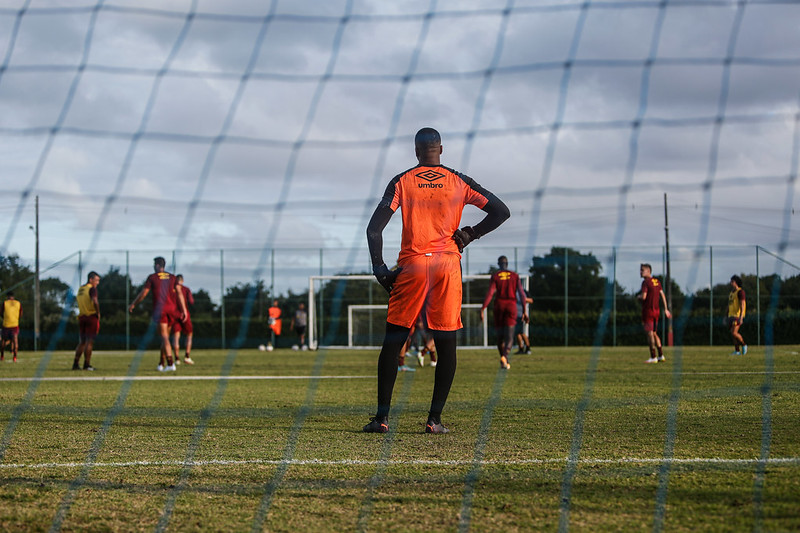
(195, 126)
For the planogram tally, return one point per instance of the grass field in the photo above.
(568, 439)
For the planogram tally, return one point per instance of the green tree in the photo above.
(236, 298)
(111, 292)
(16, 276)
(203, 305)
(790, 293)
(582, 272)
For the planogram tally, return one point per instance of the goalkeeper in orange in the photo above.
(431, 198)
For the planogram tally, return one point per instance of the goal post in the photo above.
(349, 311)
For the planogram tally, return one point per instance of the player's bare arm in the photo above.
(96, 303)
(524, 300)
(182, 303)
(488, 298)
(139, 297)
(666, 309)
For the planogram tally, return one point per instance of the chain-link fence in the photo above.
(582, 296)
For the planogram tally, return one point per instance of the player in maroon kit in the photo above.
(508, 286)
(650, 295)
(183, 326)
(168, 307)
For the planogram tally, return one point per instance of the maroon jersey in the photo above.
(165, 299)
(652, 288)
(506, 284)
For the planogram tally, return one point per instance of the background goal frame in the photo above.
(314, 310)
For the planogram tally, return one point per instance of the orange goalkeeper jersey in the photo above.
(431, 199)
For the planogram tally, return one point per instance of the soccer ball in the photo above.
(262, 348)
(269, 347)
(295, 347)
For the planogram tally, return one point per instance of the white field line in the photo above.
(175, 378)
(423, 462)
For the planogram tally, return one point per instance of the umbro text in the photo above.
(430, 185)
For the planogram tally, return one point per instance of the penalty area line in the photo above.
(175, 378)
(422, 462)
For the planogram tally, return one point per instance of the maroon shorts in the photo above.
(168, 317)
(88, 327)
(505, 312)
(650, 321)
(183, 327)
(733, 321)
(8, 333)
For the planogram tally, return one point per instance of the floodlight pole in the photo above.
(668, 278)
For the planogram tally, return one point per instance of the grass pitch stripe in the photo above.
(194, 443)
(577, 440)
(76, 484)
(386, 451)
(25, 404)
(199, 432)
(291, 446)
(163, 377)
(669, 441)
(766, 411)
(177, 378)
(480, 447)
(766, 439)
(580, 415)
(624, 461)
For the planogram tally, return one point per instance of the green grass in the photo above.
(288, 454)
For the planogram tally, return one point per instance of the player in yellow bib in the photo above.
(12, 310)
(737, 306)
(88, 321)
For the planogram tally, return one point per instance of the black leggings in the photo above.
(393, 343)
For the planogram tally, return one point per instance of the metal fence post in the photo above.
(758, 300)
(566, 298)
(664, 269)
(711, 296)
(272, 273)
(614, 295)
(127, 300)
(222, 295)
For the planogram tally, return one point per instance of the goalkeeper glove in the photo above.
(464, 236)
(385, 276)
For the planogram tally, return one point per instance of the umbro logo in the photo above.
(430, 176)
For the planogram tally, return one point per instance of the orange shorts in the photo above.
(429, 281)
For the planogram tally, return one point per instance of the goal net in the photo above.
(349, 311)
